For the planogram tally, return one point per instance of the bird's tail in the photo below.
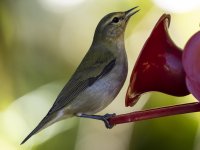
(46, 121)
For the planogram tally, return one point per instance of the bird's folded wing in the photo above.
(85, 76)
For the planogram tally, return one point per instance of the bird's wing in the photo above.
(90, 70)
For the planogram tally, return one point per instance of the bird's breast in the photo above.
(103, 91)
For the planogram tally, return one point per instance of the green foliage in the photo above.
(64, 140)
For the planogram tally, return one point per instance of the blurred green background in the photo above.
(41, 44)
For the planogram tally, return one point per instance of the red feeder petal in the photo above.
(158, 67)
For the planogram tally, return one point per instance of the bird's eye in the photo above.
(115, 20)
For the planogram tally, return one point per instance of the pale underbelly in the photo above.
(100, 94)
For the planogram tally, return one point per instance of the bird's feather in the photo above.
(90, 70)
(99, 67)
(39, 127)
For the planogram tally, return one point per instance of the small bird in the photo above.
(99, 77)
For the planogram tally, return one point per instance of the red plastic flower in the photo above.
(158, 67)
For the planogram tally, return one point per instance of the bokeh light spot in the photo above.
(178, 6)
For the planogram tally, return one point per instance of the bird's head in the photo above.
(113, 25)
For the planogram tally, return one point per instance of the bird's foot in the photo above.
(103, 118)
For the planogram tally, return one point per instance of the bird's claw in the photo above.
(105, 119)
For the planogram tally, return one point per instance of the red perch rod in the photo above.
(155, 113)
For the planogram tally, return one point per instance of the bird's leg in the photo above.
(103, 118)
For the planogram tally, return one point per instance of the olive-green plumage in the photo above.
(99, 77)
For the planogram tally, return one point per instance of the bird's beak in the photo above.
(131, 12)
